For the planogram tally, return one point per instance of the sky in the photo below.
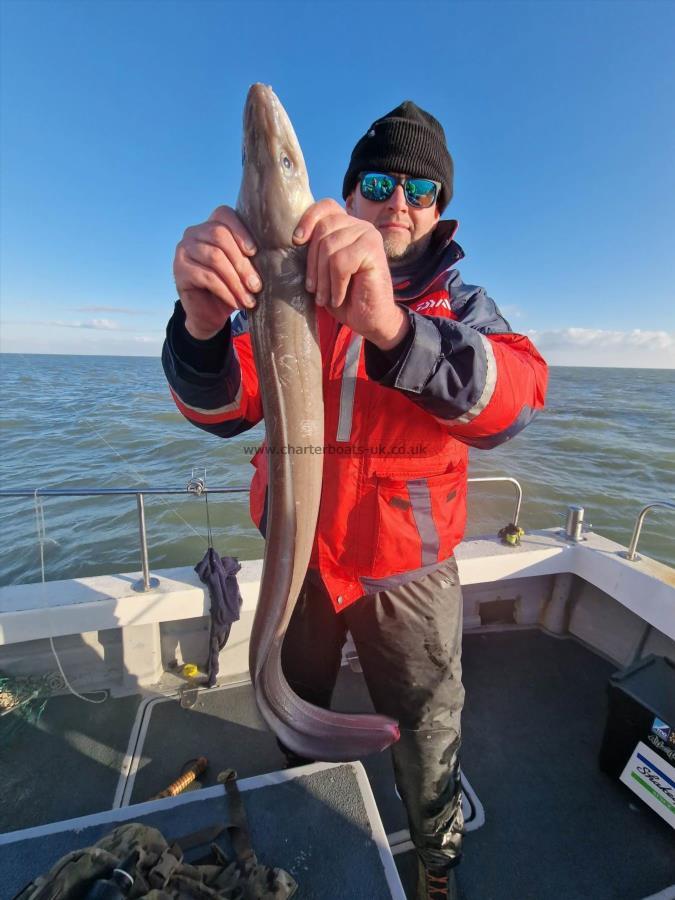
(121, 126)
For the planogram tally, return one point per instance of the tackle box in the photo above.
(638, 746)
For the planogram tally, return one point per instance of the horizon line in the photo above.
(158, 356)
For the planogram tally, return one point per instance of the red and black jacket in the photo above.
(397, 424)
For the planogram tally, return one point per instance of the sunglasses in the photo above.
(379, 186)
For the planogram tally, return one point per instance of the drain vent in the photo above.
(498, 612)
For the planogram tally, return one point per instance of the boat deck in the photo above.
(555, 825)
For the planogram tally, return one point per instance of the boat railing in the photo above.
(195, 486)
(631, 554)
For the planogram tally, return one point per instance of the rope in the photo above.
(208, 522)
(42, 539)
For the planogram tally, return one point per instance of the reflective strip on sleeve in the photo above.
(207, 415)
(420, 498)
(488, 387)
(348, 388)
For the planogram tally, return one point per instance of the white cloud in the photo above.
(95, 324)
(636, 349)
(122, 310)
(511, 311)
(98, 324)
(560, 347)
(99, 337)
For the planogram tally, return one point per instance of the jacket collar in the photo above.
(417, 278)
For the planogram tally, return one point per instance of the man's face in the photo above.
(406, 230)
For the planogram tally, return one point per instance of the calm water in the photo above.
(606, 440)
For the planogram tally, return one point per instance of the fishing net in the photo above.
(23, 699)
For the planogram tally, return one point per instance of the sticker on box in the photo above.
(653, 780)
(668, 749)
(661, 729)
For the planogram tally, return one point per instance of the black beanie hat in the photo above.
(407, 140)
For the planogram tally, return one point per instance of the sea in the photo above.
(606, 441)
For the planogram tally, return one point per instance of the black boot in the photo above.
(436, 884)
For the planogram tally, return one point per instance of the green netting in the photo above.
(23, 699)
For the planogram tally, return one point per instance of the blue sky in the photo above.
(121, 126)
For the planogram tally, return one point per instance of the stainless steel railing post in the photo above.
(631, 555)
(519, 492)
(146, 583)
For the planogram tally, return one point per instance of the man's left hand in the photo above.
(348, 274)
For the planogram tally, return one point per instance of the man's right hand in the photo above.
(213, 271)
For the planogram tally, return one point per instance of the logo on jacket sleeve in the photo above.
(436, 304)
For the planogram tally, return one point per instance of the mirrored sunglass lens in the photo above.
(377, 187)
(420, 191)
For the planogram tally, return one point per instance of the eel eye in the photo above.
(286, 163)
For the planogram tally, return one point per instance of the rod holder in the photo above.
(574, 524)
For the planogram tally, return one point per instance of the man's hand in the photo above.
(347, 272)
(213, 271)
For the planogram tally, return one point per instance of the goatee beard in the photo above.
(397, 255)
(393, 250)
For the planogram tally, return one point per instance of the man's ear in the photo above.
(349, 203)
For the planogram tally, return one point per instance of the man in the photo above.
(417, 367)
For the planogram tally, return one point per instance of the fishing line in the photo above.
(42, 539)
(142, 479)
(208, 521)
